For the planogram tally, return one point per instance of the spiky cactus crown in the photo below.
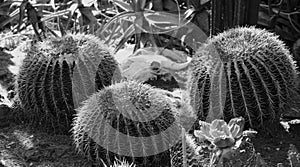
(245, 72)
(46, 77)
(139, 116)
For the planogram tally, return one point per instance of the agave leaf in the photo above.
(141, 4)
(72, 10)
(87, 16)
(8, 20)
(52, 3)
(35, 20)
(123, 5)
(163, 22)
(21, 13)
(115, 18)
(164, 18)
(55, 14)
(127, 34)
(157, 5)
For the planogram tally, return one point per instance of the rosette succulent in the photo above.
(225, 138)
(220, 133)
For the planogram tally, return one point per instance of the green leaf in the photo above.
(162, 22)
(55, 14)
(128, 33)
(123, 5)
(115, 18)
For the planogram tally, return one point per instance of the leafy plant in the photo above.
(145, 22)
(225, 138)
(47, 17)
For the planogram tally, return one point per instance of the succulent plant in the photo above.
(58, 73)
(127, 120)
(225, 138)
(245, 72)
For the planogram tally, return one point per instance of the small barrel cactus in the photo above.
(245, 72)
(52, 70)
(128, 120)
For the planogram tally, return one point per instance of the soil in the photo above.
(274, 147)
(21, 146)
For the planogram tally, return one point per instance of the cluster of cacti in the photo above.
(245, 72)
(127, 120)
(193, 159)
(53, 69)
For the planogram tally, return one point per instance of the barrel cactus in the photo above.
(128, 120)
(245, 72)
(193, 158)
(54, 70)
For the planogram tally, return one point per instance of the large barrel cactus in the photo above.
(128, 120)
(58, 73)
(243, 71)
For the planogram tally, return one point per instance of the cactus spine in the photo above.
(139, 115)
(192, 153)
(45, 80)
(252, 72)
